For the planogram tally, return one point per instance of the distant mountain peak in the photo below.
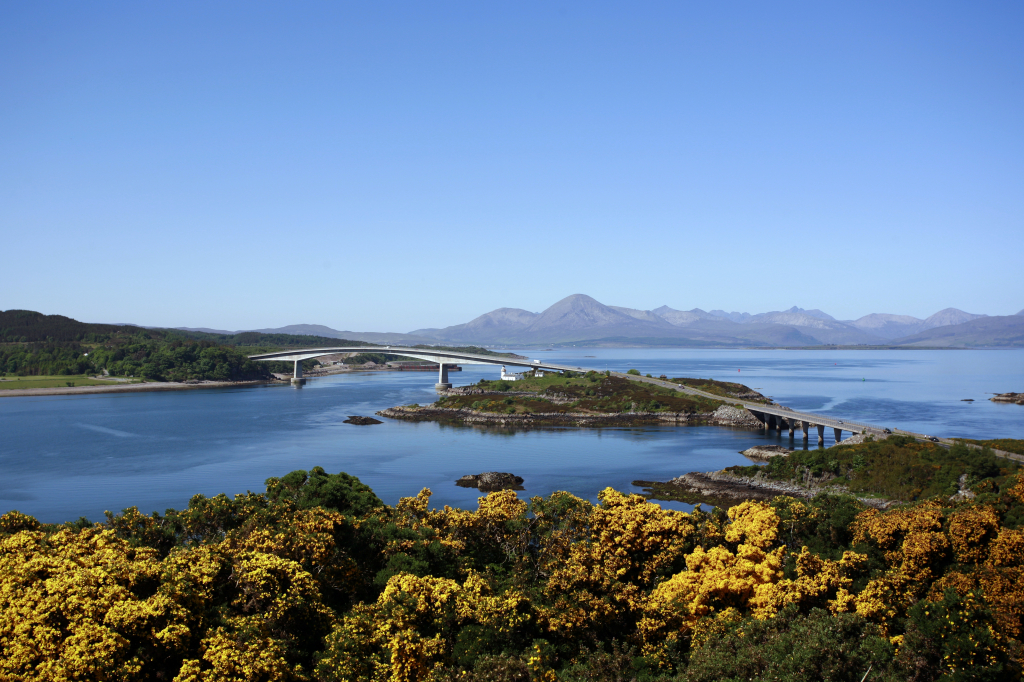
(681, 318)
(580, 311)
(949, 316)
(733, 316)
(812, 313)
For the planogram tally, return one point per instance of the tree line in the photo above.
(33, 344)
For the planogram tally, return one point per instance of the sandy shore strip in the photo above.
(127, 388)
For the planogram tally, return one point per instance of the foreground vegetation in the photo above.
(317, 579)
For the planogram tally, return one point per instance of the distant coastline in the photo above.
(129, 388)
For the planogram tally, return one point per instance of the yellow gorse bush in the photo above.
(253, 588)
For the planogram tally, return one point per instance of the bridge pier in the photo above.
(442, 377)
(297, 377)
(769, 422)
(792, 428)
(807, 427)
(821, 434)
(839, 434)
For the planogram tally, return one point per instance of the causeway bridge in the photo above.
(775, 416)
(772, 415)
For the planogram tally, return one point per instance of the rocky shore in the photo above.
(763, 453)
(724, 489)
(491, 481)
(725, 415)
(1016, 398)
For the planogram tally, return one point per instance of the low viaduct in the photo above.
(772, 415)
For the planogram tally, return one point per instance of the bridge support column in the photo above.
(807, 427)
(821, 434)
(839, 434)
(442, 377)
(297, 377)
(780, 423)
(792, 428)
(769, 422)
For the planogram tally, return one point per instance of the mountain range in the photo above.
(582, 320)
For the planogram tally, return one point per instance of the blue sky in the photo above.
(388, 166)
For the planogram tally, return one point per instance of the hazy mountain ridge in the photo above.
(580, 318)
(996, 331)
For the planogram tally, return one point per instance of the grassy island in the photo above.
(317, 580)
(578, 398)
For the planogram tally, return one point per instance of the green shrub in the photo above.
(794, 647)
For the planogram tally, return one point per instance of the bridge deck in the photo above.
(448, 357)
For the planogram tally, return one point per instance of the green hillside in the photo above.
(33, 344)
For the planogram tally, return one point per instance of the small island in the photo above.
(581, 399)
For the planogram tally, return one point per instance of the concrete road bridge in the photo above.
(443, 358)
(772, 415)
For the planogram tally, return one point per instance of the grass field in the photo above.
(8, 383)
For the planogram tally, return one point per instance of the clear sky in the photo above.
(387, 166)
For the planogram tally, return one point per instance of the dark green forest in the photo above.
(33, 344)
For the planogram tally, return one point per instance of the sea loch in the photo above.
(70, 456)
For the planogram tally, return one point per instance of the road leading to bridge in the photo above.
(791, 415)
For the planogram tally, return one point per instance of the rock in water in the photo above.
(361, 421)
(491, 481)
(1009, 398)
(763, 453)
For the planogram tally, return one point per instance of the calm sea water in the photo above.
(63, 457)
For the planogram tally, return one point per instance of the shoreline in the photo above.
(128, 388)
(724, 489)
(723, 416)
